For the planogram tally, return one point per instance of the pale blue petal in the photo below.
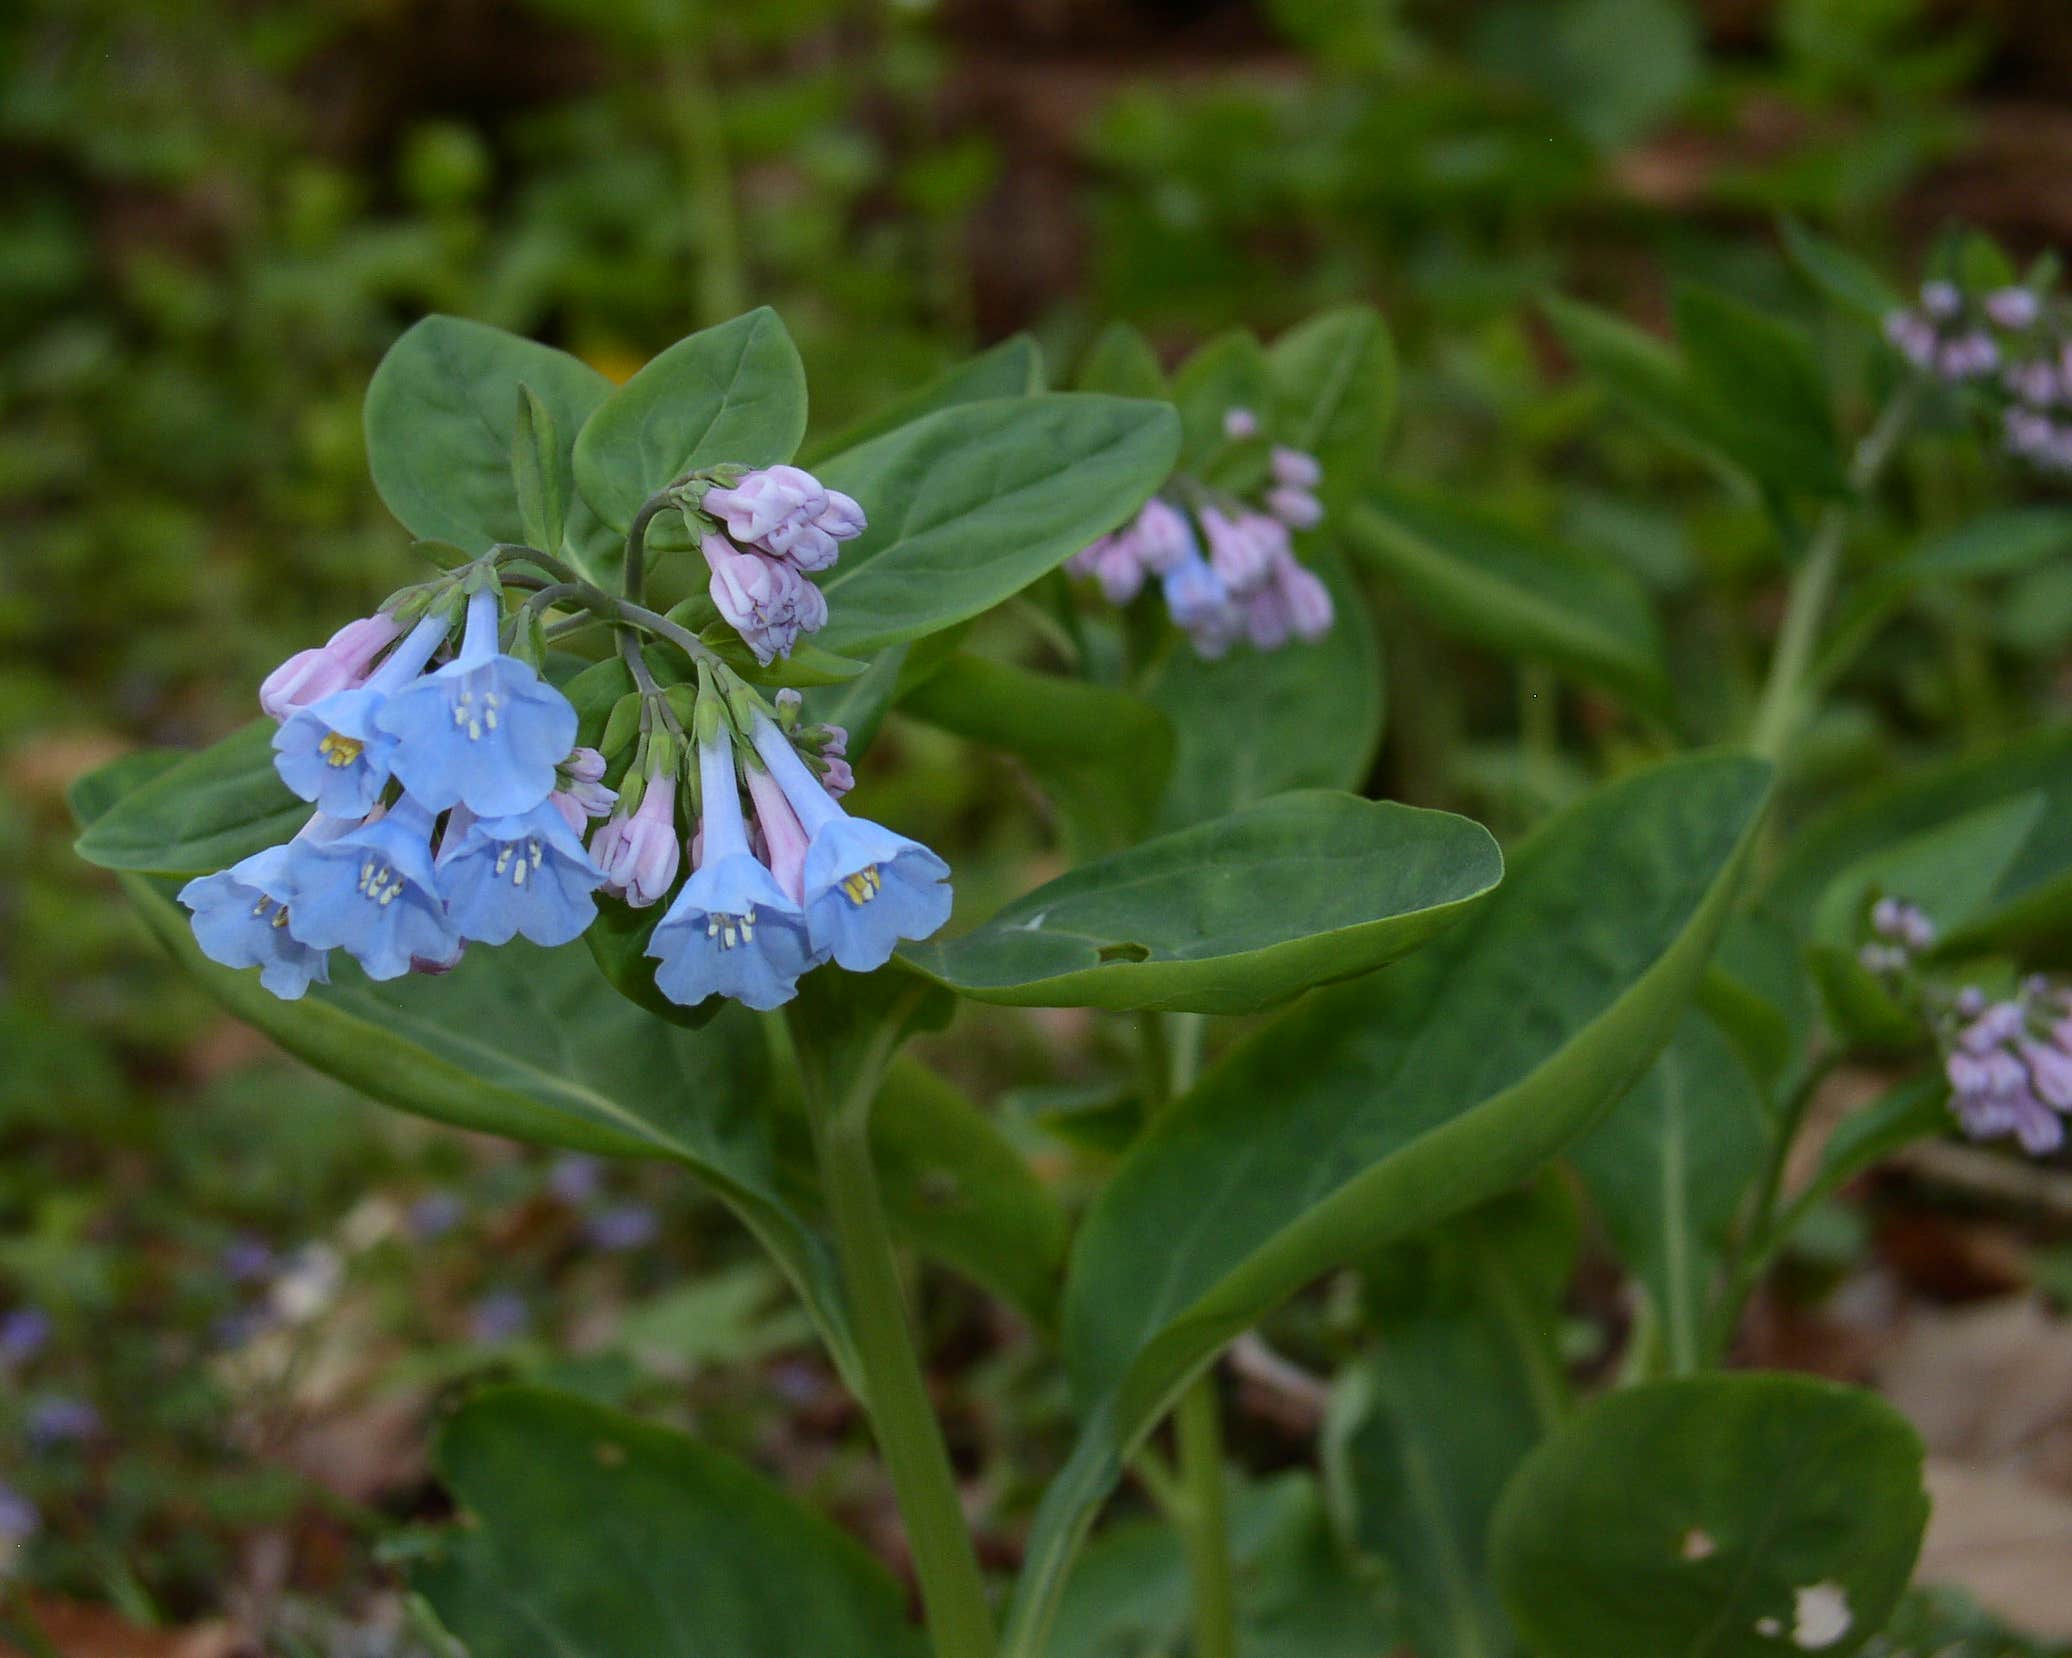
(353, 789)
(867, 888)
(485, 734)
(372, 894)
(526, 874)
(704, 950)
(240, 921)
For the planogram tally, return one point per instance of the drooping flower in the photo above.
(582, 794)
(528, 873)
(733, 931)
(372, 892)
(1242, 549)
(838, 779)
(762, 598)
(789, 514)
(336, 665)
(485, 731)
(334, 753)
(864, 887)
(1201, 605)
(241, 916)
(1164, 537)
(638, 853)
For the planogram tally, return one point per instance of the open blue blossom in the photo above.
(864, 887)
(485, 731)
(528, 873)
(333, 753)
(241, 918)
(733, 931)
(372, 893)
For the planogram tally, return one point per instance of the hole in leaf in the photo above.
(1124, 952)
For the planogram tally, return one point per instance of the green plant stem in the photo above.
(1783, 707)
(1205, 1522)
(896, 1392)
(635, 581)
(1171, 1056)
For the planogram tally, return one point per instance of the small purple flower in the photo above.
(54, 1422)
(789, 514)
(575, 1178)
(485, 731)
(762, 598)
(2013, 308)
(638, 854)
(528, 873)
(334, 752)
(1201, 605)
(247, 1259)
(626, 1227)
(733, 931)
(1913, 336)
(2035, 382)
(1968, 356)
(1164, 537)
(499, 1316)
(436, 1214)
(241, 916)
(19, 1521)
(865, 888)
(24, 1332)
(1942, 300)
(1296, 508)
(373, 893)
(1297, 468)
(1242, 550)
(1240, 423)
(2010, 1069)
(336, 665)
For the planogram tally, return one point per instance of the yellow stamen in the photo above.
(340, 751)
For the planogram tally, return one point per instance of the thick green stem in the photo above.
(1205, 1521)
(896, 1392)
(1200, 1509)
(1783, 706)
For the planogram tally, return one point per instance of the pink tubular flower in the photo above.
(1163, 538)
(1297, 468)
(338, 664)
(783, 837)
(1296, 508)
(1242, 550)
(639, 854)
(1305, 598)
(787, 513)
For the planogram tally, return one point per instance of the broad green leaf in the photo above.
(1760, 388)
(1257, 723)
(2030, 900)
(1121, 363)
(540, 471)
(1519, 594)
(535, 1045)
(1233, 915)
(1953, 868)
(1380, 1107)
(1426, 1430)
(441, 415)
(969, 505)
(202, 813)
(731, 393)
(1298, 1594)
(1669, 1170)
(1758, 993)
(596, 1535)
(1013, 368)
(1102, 754)
(1229, 372)
(1334, 393)
(1724, 1516)
(1837, 273)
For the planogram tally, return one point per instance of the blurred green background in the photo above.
(217, 216)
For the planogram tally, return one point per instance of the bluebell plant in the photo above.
(1247, 584)
(452, 799)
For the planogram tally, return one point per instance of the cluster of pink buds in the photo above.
(2010, 1065)
(1902, 932)
(2010, 344)
(1249, 585)
(1942, 335)
(762, 535)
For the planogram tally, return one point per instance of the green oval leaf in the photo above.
(1013, 368)
(989, 497)
(1334, 393)
(1727, 1516)
(1395, 1101)
(1254, 724)
(441, 419)
(597, 1535)
(736, 393)
(1228, 372)
(1122, 363)
(1518, 594)
(201, 813)
(1232, 916)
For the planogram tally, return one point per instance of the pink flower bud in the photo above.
(843, 518)
(1307, 599)
(1240, 556)
(2012, 308)
(340, 663)
(1296, 508)
(639, 854)
(1266, 619)
(1297, 467)
(1163, 538)
(759, 597)
(1239, 424)
(838, 779)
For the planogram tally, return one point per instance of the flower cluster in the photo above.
(452, 799)
(2009, 1061)
(2008, 343)
(450, 803)
(1249, 583)
(762, 535)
